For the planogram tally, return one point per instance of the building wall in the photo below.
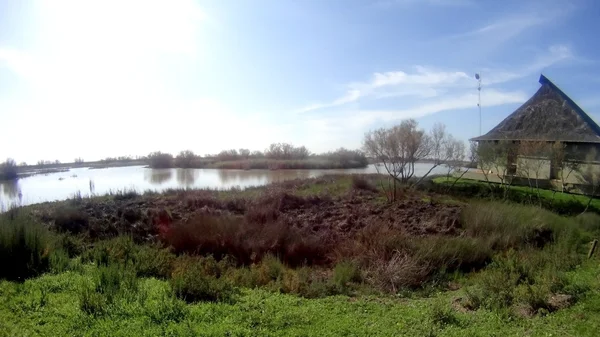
(587, 155)
(533, 168)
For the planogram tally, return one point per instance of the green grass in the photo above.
(331, 186)
(49, 306)
(382, 282)
(548, 198)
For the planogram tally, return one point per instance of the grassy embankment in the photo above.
(287, 260)
(559, 202)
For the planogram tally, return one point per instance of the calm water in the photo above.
(60, 186)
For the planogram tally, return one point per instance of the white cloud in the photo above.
(423, 76)
(427, 82)
(504, 28)
(489, 98)
(421, 83)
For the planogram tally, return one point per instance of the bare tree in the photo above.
(533, 157)
(185, 159)
(398, 149)
(589, 174)
(457, 160)
(244, 153)
(440, 148)
(495, 157)
(564, 163)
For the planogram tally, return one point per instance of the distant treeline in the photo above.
(276, 156)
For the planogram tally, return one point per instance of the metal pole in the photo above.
(479, 102)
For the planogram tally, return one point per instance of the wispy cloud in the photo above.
(496, 31)
(491, 97)
(505, 28)
(427, 82)
(422, 82)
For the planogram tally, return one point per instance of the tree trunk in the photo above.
(457, 179)
(426, 174)
(590, 200)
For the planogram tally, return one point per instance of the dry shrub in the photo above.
(245, 241)
(361, 183)
(70, 219)
(401, 271)
(446, 253)
(201, 199)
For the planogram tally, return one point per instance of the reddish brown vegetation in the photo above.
(247, 242)
(393, 244)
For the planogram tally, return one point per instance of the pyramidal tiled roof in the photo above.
(549, 115)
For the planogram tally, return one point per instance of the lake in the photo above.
(62, 185)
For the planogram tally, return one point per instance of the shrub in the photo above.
(91, 302)
(446, 254)
(348, 158)
(168, 309)
(149, 260)
(191, 284)
(270, 269)
(24, 248)
(119, 250)
(442, 315)
(8, 170)
(509, 225)
(361, 183)
(345, 273)
(187, 159)
(589, 222)
(72, 245)
(110, 282)
(126, 194)
(401, 271)
(160, 160)
(154, 261)
(59, 261)
(246, 242)
(70, 219)
(286, 151)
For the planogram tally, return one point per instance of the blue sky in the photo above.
(109, 78)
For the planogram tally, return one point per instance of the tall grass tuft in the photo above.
(24, 248)
(191, 282)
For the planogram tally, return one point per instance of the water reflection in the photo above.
(10, 189)
(158, 176)
(186, 177)
(259, 177)
(41, 188)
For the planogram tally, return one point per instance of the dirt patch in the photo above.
(147, 216)
(353, 213)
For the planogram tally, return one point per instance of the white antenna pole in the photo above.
(478, 77)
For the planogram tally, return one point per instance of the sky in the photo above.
(92, 79)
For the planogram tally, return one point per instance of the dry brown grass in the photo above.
(247, 242)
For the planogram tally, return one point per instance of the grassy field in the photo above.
(49, 306)
(523, 194)
(316, 257)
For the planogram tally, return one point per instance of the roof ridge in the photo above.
(586, 118)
